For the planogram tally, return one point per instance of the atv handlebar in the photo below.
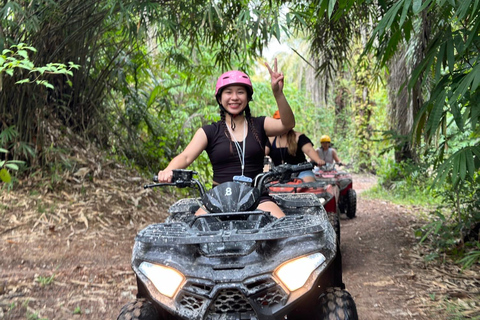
(184, 178)
(181, 179)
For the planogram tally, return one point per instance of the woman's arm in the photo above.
(192, 151)
(275, 127)
(312, 154)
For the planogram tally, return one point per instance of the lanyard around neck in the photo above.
(241, 153)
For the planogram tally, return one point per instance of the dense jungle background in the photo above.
(90, 85)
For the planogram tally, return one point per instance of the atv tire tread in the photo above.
(351, 204)
(140, 309)
(334, 220)
(337, 304)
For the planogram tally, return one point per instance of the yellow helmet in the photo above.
(325, 138)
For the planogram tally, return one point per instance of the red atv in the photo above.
(347, 202)
(326, 190)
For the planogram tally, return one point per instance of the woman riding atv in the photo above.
(291, 148)
(236, 143)
(326, 152)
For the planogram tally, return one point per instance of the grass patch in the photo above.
(405, 195)
(45, 281)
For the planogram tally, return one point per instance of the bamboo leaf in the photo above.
(473, 33)
(424, 65)
(464, 82)
(440, 57)
(436, 113)
(455, 167)
(476, 151)
(153, 95)
(475, 6)
(420, 126)
(474, 114)
(406, 6)
(476, 77)
(417, 4)
(11, 166)
(331, 6)
(470, 164)
(450, 50)
(462, 9)
(462, 162)
(22, 81)
(388, 19)
(457, 115)
(16, 161)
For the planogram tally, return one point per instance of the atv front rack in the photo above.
(181, 233)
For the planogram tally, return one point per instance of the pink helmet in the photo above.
(233, 77)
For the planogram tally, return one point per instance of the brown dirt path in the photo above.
(373, 250)
(60, 263)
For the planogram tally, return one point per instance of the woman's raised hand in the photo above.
(276, 78)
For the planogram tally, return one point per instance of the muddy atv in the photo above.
(238, 262)
(347, 202)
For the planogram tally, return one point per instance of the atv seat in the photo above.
(296, 200)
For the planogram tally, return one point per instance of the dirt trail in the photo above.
(80, 269)
(373, 250)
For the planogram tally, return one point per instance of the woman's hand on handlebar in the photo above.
(165, 176)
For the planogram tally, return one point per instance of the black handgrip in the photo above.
(155, 178)
(302, 167)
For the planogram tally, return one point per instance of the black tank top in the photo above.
(224, 156)
(281, 154)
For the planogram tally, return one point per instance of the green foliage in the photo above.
(45, 281)
(77, 310)
(453, 61)
(404, 183)
(471, 257)
(17, 57)
(443, 39)
(34, 316)
(6, 138)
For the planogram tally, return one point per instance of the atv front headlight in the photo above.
(295, 273)
(166, 280)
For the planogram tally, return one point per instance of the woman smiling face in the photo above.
(234, 99)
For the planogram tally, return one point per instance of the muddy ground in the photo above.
(65, 249)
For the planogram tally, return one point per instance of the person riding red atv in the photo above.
(347, 202)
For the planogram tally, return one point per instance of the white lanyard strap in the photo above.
(241, 153)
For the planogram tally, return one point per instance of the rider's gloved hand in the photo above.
(339, 164)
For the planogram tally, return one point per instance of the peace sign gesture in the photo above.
(276, 78)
